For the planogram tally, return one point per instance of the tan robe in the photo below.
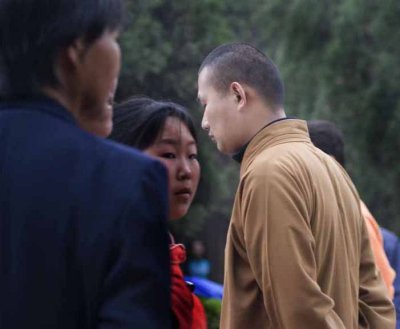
(297, 253)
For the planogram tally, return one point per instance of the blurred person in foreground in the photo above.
(165, 130)
(297, 252)
(83, 236)
(327, 137)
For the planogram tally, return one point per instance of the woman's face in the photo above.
(177, 149)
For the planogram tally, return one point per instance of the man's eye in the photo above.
(168, 155)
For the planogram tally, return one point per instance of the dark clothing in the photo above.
(83, 237)
(392, 249)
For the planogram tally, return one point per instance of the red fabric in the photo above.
(199, 316)
(186, 307)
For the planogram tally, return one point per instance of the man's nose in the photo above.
(204, 123)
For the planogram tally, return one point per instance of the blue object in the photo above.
(199, 267)
(206, 288)
(392, 248)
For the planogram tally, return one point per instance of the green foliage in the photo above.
(212, 307)
(164, 45)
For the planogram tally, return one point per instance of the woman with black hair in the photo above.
(166, 131)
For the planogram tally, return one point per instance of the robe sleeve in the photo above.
(280, 248)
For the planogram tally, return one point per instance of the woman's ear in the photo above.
(239, 93)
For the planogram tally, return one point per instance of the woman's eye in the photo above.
(168, 155)
(193, 156)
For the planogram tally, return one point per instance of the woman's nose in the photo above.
(184, 169)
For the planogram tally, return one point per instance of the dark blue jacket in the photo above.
(392, 248)
(83, 237)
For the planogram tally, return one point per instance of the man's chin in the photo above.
(106, 131)
(100, 128)
(222, 149)
(225, 149)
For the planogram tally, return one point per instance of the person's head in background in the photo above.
(241, 91)
(166, 131)
(327, 137)
(198, 248)
(66, 50)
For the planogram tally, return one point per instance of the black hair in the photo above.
(32, 32)
(327, 137)
(245, 64)
(140, 120)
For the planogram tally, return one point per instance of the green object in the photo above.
(212, 307)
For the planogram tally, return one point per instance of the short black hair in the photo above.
(138, 121)
(327, 137)
(245, 64)
(32, 32)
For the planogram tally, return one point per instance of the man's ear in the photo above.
(67, 64)
(239, 93)
(74, 53)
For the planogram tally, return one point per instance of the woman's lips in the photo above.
(184, 191)
(184, 194)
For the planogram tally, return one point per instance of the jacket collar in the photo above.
(280, 132)
(41, 104)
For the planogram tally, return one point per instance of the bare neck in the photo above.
(261, 117)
